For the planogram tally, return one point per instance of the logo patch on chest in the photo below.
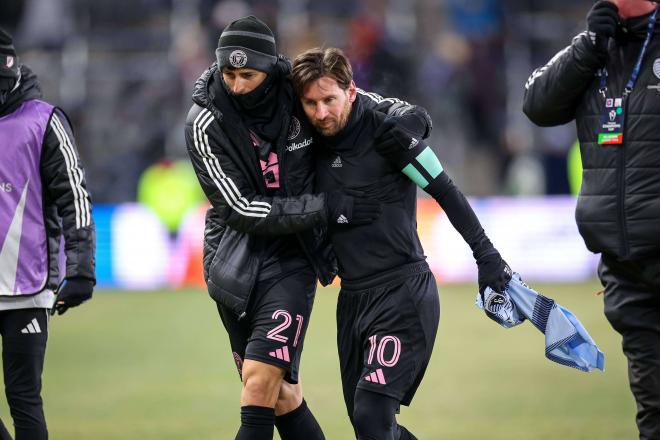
(656, 68)
(337, 163)
(294, 128)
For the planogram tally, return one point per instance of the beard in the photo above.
(330, 126)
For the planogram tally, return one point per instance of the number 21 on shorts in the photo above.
(286, 316)
(378, 349)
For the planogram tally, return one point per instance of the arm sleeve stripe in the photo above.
(415, 176)
(377, 98)
(80, 195)
(430, 162)
(224, 184)
(539, 72)
(228, 183)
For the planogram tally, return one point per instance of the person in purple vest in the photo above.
(42, 199)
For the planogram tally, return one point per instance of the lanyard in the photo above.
(638, 65)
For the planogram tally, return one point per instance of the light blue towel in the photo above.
(566, 340)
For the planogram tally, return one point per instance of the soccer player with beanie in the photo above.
(43, 199)
(264, 242)
(388, 307)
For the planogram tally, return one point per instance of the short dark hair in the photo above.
(316, 63)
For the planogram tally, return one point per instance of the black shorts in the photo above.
(273, 329)
(24, 336)
(385, 334)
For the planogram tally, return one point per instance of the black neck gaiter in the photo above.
(260, 109)
(6, 86)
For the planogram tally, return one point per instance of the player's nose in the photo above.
(321, 112)
(239, 87)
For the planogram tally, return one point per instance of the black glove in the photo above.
(493, 273)
(351, 208)
(602, 21)
(73, 292)
(391, 139)
(417, 123)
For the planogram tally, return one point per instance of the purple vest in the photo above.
(23, 241)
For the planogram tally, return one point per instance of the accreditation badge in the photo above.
(611, 123)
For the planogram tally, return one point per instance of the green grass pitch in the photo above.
(156, 365)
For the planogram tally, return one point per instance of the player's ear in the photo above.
(352, 91)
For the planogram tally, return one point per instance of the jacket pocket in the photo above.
(233, 270)
(213, 232)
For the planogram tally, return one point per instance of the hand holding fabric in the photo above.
(493, 272)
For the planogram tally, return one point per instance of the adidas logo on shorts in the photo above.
(32, 327)
(376, 377)
(281, 354)
(342, 219)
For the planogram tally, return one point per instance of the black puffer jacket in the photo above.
(618, 210)
(223, 157)
(220, 148)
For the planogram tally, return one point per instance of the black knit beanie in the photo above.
(8, 58)
(247, 42)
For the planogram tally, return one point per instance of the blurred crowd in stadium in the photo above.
(124, 70)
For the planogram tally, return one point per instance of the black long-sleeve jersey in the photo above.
(349, 160)
(353, 160)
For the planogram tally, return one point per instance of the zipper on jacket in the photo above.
(281, 150)
(283, 181)
(623, 235)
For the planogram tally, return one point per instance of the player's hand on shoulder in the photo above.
(73, 292)
(393, 139)
(347, 207)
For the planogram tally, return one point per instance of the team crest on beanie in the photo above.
(247, 42)
(8, 58)
(238, 59)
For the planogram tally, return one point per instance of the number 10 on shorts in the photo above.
(378, 349)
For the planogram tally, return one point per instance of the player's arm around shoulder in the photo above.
(219, 176)
(230, 182)
(404, 148)
(414, 118)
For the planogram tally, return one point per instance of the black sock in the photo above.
(299, 424)
(404, 434)
(257, 423)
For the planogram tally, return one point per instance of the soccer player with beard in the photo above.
(388, 308)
